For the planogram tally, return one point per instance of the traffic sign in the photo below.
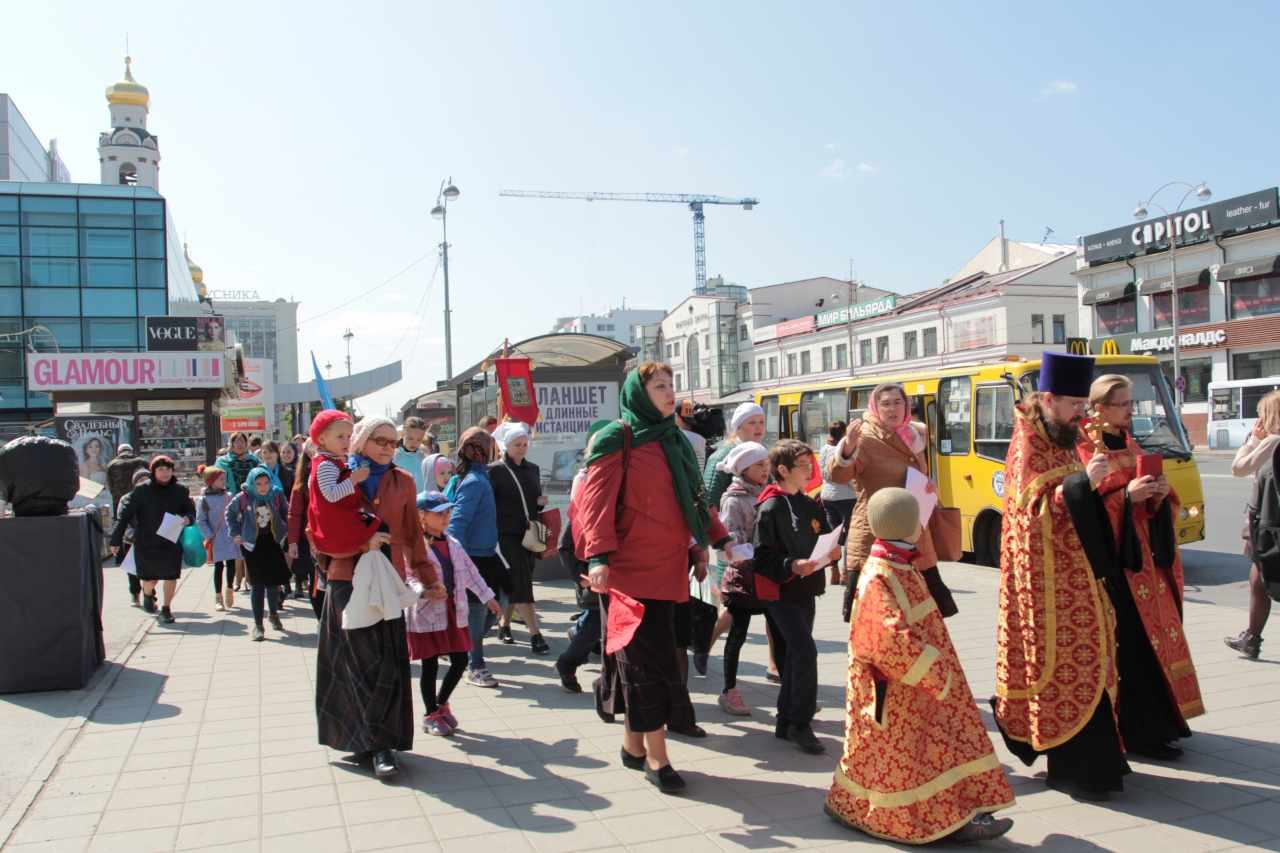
(1181, 384)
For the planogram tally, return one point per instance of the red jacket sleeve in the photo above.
(597, 507)
(297, 515)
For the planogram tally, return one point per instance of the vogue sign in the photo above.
(186, 334)
(66, 371)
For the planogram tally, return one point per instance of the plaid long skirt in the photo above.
(364, 698)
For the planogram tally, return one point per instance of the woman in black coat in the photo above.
(517, 495)
(157, 558)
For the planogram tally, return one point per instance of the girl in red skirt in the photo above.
(437, 628)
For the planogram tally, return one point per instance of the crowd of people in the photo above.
(1092, 662)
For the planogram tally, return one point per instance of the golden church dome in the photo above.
(127, 91)
(197, 274)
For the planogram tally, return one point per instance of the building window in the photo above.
(694, 373)
(773, 367)
(842, 356)
(805, 366)
(882, 348)
(708, 378)
(1059, 328)
(865, 355)
(706, 344)
(1198, 372)
(678, 381)
(931, 341)
(668, 350)
(604, 327)
(909, 345)
(1037, 328)
(792, 370)
(1193, 308)
(1117, 318)
(826, 358)
(761, 371)
(1255, 297)
(677, 346)
(746, 371)
(742, 333)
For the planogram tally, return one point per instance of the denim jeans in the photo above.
(480, 619)
(586, 635)
(797, 657)
(839, 512)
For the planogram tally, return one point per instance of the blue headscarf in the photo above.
(370, 485)
(248, 484)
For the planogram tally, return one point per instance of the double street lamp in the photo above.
(440, 211)
(1173, 228)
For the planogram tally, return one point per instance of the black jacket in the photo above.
(1263, 513)
(787, 529)
(144, 508)
(120, 474)
(576, 568)
(511, 517)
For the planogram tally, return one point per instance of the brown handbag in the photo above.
(944, 529)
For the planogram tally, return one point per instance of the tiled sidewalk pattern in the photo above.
(207, 742)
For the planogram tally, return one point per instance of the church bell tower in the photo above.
(128, 153)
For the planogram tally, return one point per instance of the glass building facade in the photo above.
(81, 266)
(257, 337)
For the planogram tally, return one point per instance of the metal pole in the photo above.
(1173, 285)
(849, 325)
(448, 334)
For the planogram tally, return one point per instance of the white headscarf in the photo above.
(509, 431)
(361, 432)
(740, 415)
(742, 457)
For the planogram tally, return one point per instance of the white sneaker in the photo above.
(481, 678)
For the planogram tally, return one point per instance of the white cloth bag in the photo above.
(378, 593)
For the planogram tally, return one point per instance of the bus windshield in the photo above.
(1156, 428)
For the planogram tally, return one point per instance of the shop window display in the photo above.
(1255, 297)
(1193, 307)
(1117, 318)
(181, 437)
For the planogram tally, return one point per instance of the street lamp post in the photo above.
(1173, 228)
(347, 337)
(440, 211)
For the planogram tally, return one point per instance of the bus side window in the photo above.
(953, 406)
(771, 425)
(993, 422)
(796, 430)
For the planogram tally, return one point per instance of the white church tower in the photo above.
(128, 153)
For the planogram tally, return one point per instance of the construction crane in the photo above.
(695, 203)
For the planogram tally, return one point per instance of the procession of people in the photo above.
(415, 556)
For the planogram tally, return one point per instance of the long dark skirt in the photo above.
(1092, 759)
(1147, 714)
(643, 679)
(364, 689)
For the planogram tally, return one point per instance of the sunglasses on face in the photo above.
(382, 441)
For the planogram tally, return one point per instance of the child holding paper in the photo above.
(788, 580)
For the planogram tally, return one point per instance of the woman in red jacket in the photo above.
(641, 504)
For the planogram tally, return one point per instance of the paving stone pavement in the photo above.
(206, 742)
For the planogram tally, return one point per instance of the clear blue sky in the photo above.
(303, 145)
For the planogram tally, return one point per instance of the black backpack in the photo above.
(1264, 525)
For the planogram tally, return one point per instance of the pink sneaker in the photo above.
(731, 703)
(447, 715)
(434, 724)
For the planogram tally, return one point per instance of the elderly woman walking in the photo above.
(518, 498)
(364, 688)
(157, 558)
(641, 558)
(875, 453)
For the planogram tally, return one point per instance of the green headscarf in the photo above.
(648, 424)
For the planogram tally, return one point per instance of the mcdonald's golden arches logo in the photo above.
(1110, 348)
(1078, 346)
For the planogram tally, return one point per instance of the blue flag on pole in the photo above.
(326, 399)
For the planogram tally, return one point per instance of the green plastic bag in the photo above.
(193, 553)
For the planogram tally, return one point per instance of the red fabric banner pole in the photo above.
(515, 386)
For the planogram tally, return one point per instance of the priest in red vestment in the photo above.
(1056, 658)
(1159, 691)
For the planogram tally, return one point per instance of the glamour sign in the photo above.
(1239, 212)
(861, 311)
(114, 371)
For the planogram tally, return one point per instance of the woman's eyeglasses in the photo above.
(382, 441)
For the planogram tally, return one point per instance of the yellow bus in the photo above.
(969, 413)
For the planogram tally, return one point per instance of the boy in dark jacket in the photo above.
(788, 525)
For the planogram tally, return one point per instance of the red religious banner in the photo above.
(515, 383)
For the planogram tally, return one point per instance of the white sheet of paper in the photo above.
(916, 484)
(826, 542)
(171, 527)
(129, 565)
(743, 551)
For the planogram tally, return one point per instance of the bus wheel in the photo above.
(986, 540)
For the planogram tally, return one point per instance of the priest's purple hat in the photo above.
(1066, 375)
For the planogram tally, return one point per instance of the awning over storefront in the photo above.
(1249, 269)
(1108, 294)
(558, 351)
(1160, 284)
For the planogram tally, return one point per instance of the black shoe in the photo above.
(781, 730)
(149, 602)
(385, 763)
(538, 645)
(600, 711)
(1246, 644)
(803, 737)
(693, 730)
(633, 762)
(595, 650)
(568, 681)
(166, 616)
(1158, 751)
(504, 635)
(1076, 792)
(983, 827)
(274, 619)
(665, 779)
(700, 662)
(772, 676)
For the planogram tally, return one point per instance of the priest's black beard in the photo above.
(1062, 434)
